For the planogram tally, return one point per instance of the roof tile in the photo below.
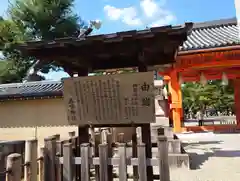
(212, 34)
(31, 89)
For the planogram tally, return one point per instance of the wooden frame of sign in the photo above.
(112, 99)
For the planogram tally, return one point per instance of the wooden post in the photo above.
(110, 154)
(75, 149)
(85, 150)
(163, 158)
(134, 151)
(120, 138)
(92, 133)
(50, 158)
(142, 162)
(30, 168)
(146, 139)
(176, 146)
(14, 167)
(40, 163)
(83, 130)
(83, 137)
(123, 161)
(67, 162)
(104, 136)
(59, 167)
(97, 141)
(103, 160)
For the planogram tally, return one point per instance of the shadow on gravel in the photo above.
(227, 132)
(227, 153)
(201, 143)
(197, 160)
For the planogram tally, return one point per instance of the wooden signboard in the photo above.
(110, 99)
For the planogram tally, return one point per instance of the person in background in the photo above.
(199, 116)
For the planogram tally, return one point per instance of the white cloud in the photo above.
(153, 14)
(168, 19)
(157, 13)
(127, 15)
(112, 12)
(150, 7)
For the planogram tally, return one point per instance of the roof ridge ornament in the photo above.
(93, 24)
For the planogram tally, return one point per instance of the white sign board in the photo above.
(110, 99)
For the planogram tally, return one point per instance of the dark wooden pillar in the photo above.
(146, 128)
(83, 131)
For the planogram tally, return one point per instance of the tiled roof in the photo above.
(107, 51)
(31, 89)
(212, 34)
(38, 89)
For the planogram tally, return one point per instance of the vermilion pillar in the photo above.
(237, 100)
(176, 102)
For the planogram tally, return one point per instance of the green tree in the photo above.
(214, 95)
(46, 20)
(224, 97)
(196, 97)
(13, 66)
(35, 20)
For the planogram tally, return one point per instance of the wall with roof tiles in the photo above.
(40, 118)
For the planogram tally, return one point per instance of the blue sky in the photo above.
(120, 15)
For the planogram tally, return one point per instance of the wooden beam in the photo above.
(207, 60)
(113, 62)
(127, 47)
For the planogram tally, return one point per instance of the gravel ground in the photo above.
(214, 157)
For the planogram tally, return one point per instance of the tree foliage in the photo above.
(212, 97)
(13, 66)
(34, 20)
(45, 19)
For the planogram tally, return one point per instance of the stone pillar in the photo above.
(161, 105)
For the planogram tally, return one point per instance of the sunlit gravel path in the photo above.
(215, 157)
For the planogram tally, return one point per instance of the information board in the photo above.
(110, 99)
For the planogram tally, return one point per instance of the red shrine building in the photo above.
(212, 49)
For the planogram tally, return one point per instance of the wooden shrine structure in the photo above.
(151, 47)
(212, 49)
